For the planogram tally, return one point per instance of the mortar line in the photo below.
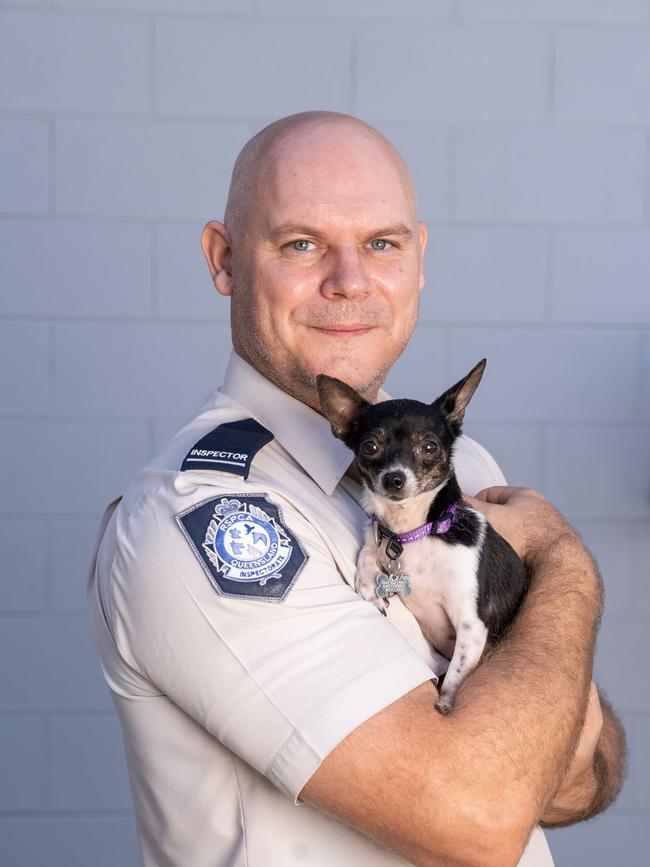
(51, 364)
(154, 246)
(551, 251)
(551, 81)
(354, 69)
(51, 166)
(151, 42)
(646, 209)
(452, 174)
(49, 529)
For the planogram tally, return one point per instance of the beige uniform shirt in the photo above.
(237, 653)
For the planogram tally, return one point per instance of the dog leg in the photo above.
(365, 580)
(471, 635)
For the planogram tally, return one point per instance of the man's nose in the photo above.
(347, 277)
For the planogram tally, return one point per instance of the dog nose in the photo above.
(394, 481)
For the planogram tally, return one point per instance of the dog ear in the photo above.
(340, 404)
(453, 402)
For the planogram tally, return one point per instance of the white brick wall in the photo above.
(47, 268)
(147, 168)
(455, 74)
(550, 176)
(526, 124)
(54, 63)
(25, 146)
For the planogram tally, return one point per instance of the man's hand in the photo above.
(523, 517)
(597, 770)
(578, 779)
(589, 735)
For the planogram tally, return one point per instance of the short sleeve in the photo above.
(475, 467)
(279, 682)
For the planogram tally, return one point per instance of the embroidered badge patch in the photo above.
(244, 546)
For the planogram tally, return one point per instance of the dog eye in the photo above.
(369, 448)
(430, 448)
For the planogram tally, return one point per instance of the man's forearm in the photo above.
(595, 790)
(525, 703)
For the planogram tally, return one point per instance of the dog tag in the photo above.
(388, 584)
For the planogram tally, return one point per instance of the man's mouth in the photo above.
(344, 330)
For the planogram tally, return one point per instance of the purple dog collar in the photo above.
(396, 541)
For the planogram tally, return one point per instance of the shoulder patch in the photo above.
(230, 447)
(243, 545)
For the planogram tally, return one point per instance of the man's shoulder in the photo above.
(221, 457)
(213, 504)
(475, 467)
(218, 449)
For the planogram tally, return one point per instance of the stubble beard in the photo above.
(291, 374)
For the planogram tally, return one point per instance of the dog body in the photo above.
(459, 578)
(440, 605)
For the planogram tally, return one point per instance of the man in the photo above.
(248, 676)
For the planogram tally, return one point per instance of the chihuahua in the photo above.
(460, 579)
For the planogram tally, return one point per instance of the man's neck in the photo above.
(304, 392)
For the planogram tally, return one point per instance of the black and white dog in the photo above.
(459, 578)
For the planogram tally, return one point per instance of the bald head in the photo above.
(321, 253)
(255, 166)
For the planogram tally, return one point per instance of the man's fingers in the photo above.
(594, 716)
(500, 494)
(583, 755)
(497, 494)
(522, 516)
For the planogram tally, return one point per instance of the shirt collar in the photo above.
(301, 431)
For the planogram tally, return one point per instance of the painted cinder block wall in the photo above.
(526, 124)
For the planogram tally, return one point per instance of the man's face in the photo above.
(329, 276)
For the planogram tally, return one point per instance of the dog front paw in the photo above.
(366, 587)
(365, 582)
(381, 605)
(365, 579)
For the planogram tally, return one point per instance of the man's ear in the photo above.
(423, 244)
(453, 402)
(340, 404)
(218, 253)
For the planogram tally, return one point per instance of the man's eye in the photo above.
(384, 244)
(302, 245)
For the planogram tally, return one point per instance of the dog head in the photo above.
(401, 447)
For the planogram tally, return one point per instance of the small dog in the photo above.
(459, 578)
